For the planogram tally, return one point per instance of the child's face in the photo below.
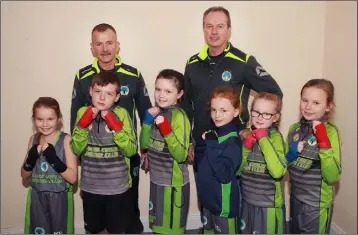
(313, 103)
(166, 94)
(263, 114)
(103, 97)
(222, 112)
(46, 121)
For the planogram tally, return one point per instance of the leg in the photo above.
(169, 208)
(119, 212)
(224, 225)
(61, 212)
(136, 226)
(37, 220)
(316, 220)
(207, 221)
(94, 212)
(198, 155)
(295, 215)
(247, 217)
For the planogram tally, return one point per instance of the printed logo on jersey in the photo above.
(296, 137)
(312, 141)
(242, 224)
(226, 76)
(135, 171)
(90, 127)
(39, 230)
(204, 220)
(261, 71)
(145, 91)
(107, 129)
(150, 206)
(217, 228)
(73, 93)
(124, 90)
(44, 166)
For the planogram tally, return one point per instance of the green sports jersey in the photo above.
(315, 170)
(167, 155)
(105, 154)
(262, 170)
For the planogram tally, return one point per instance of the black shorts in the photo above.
(111, 212)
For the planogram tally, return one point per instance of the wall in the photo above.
(340, 66)
(45, 43)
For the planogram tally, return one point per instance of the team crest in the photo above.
(124, 90)
(295, 137)
(312, 141)
(242, 224)
(150, 206)
(107, 129)
(135, 171)
(226, 76)
(39, 230)
(44, 166)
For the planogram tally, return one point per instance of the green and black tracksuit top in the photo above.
(232, 68)
(105, 154)
(134, 94)
(315, 171)
(167, 154)
(262, 170)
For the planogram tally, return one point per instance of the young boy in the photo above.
(105, 140)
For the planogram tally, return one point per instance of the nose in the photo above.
(161, 94)
(45, 123)
(308, 105)
(101, 97)
(217, 114)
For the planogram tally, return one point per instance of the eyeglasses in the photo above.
(266, 116)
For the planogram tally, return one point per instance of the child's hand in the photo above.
(314, 124)
(159, 120)
(300, 146)
(144, 162)
(87, 117)
(154, 111)
(244, 133)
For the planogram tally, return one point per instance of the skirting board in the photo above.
(194, 222)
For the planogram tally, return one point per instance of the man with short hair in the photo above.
(133, 91)
(219, 63)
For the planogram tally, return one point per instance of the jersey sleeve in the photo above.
(273, 150)
(125, 138)
(142, 101)
(79, 139)
(77, 101)
(331, 157)
(178, 140)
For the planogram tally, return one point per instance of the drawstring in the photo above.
(183, 203)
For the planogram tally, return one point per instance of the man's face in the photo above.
(216, 29)
(103, 97)
(104, 46)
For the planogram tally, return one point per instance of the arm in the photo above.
(70, 175)
(186, 104)
(142, 101)
(78, 100)
(245, 154)
(80, 135)
(330, 156)
(124, 137)
(25, 175)
(224, 163)
(177, 135)
(257, 79)
(274, 153)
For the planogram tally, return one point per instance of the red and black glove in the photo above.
(112, 122)
(321, 136)
(259, 133)
(164, 127)
(86, 118)
(249, 141)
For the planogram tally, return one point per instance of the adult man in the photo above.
(219, 63)
(134, 95)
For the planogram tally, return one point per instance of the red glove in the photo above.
(112, 122)
(321, 136)
(86, 118)
(259, 133)
(164, 127)
(249, 141)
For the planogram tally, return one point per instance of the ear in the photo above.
(180, 94)
(329, 107)
(276, 117)
(90, 91)
(236, 113)
(117, 97)
(117, 48)
(92, 50)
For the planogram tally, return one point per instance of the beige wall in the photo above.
(340, 65)
(45, 43)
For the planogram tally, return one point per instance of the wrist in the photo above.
(165, 127)
(148, 118)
